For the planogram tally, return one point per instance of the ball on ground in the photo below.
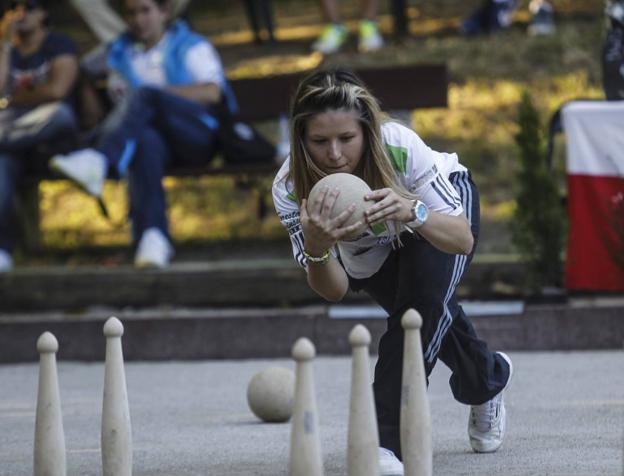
(271, 394)
(352, 190)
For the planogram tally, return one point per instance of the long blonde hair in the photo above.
(328, 90)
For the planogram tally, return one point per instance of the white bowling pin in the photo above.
(363, 438)
(49, 436)
(305, 445)
(416, 446)
(116, 431)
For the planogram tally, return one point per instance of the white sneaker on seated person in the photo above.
(389, 464)
(86, 167)
(154, 250)
(6, 261)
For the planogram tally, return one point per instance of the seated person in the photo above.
(38, 70)
(178, 110)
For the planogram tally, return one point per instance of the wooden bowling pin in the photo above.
(49, 457)
(363, 438)
(305, 445)
(416, 444)
(116, 432)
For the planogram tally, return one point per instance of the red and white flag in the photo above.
(595, 177)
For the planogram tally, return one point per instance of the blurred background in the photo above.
(488, 76)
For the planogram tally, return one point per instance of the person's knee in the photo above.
(142, 100)
(64, 116)
(145, 94)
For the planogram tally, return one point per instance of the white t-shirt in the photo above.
(202, 61)
(423, 171)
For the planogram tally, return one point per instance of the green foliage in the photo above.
(538, 223)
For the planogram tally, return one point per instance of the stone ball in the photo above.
(271, 394)
(352, 190)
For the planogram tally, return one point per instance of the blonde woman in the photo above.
(336, 126)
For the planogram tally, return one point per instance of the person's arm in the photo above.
(204, 65)
(205, 93)
(7, 30)
(102, 19)
(60, 81)
(448, 233)
(321, 233)
(329, 280)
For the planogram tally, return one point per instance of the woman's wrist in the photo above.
(317, 258)
(313, 249)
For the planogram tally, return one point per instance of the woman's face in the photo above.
(147, 20)
(335, 140)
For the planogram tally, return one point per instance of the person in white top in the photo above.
(421, 235)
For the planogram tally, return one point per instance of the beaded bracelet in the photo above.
(316, 259)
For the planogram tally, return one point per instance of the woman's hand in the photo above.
(390, 206)
(320, 231)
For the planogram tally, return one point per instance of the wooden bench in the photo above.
(398, 88)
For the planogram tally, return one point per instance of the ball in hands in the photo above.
(352, 191)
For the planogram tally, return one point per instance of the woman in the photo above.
(337, 126)
(177, 108)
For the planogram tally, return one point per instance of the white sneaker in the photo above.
(486, 426)
(331, 39)
(370, 38)
(154, 250)
(6, 262)
(86, 167)
(389, 464)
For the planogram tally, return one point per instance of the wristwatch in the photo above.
(420, 212)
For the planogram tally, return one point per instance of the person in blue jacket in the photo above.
(175, 107)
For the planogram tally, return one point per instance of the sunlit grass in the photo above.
(480, 125)
(206, 208)
(274, 65)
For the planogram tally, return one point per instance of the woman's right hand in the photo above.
(320, 231)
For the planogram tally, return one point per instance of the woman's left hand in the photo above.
(389, 206)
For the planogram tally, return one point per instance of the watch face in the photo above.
(421, 212)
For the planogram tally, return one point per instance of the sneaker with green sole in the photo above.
(331, 39)
(370, 38)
